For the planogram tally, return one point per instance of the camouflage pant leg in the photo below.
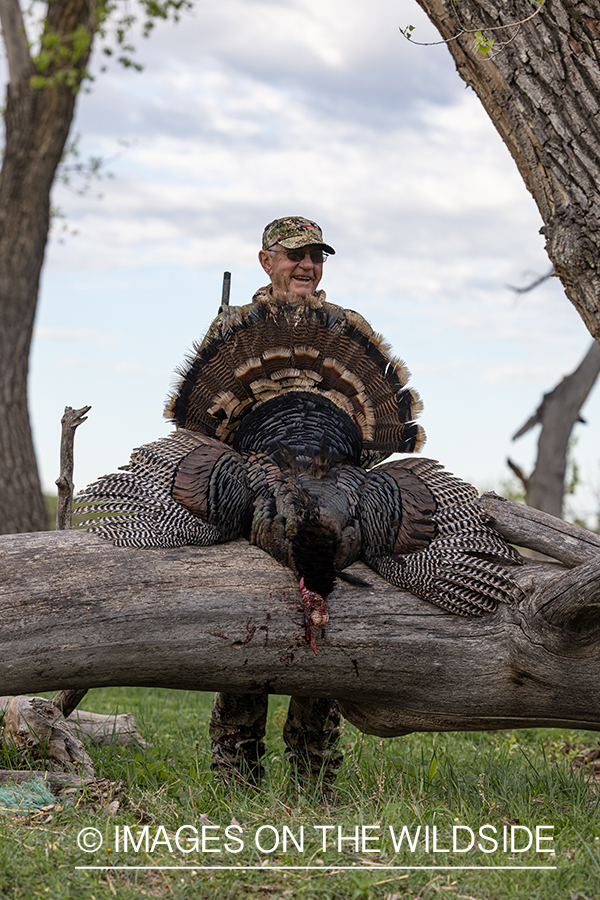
(310, 733)
(237, 729)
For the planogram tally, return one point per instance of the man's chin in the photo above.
(301, 288)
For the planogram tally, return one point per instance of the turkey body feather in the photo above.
(278, 414)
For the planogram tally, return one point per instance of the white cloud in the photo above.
(186, 194)
(131, 368)
(517, 373)
(76, 335)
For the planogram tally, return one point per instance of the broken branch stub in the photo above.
(68, 700)
(70, 421)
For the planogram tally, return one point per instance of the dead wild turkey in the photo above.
(279, 413)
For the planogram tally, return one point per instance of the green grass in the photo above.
(51, 504)
(471, 779)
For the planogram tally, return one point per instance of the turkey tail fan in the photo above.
(181, 489)
(282, 344)
(423, 532)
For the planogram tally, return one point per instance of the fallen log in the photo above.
(107, 731)
(76, 612)
(96, 729)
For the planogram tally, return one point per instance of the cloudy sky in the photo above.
(248, 110)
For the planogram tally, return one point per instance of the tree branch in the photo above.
(533, 284)
(557, 413)
(572, 392)
(15, 40)
(539, 531)
(518, 472)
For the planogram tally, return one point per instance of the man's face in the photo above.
(300, 278)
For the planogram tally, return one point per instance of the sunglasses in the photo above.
(316, 254)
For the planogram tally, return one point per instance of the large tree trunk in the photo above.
(77, 612)
(37, 123)
(541, 90)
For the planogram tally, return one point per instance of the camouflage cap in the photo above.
(293, 232)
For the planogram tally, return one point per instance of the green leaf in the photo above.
(432, 770)
(483, 44)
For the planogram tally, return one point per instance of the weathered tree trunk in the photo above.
(37, 123)
(557, 414)
(34, 724)
(541, 89)
(76, 611)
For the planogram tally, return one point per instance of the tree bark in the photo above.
(557, 414)
(37, 123)
(76, 611)
(541, 89)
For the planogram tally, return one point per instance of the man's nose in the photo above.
(306, 261)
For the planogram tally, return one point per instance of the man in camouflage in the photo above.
(292, 254)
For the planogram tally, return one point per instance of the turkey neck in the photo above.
(321, 524)
(314, 549)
